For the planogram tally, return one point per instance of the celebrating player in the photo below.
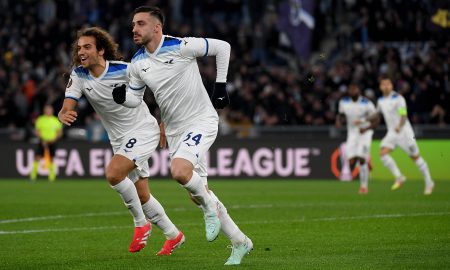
(49, 130)
(400, 133)
(133, 132)
(355, 108)
(168, 66)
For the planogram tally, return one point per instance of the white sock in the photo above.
(389, 163)
(228, 227)
(423, 167)
(196, 187)
(364, 175)
(128, 192)
(154, 211)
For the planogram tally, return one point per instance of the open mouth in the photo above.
(83, 59)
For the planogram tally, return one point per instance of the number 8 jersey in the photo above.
(119, 121)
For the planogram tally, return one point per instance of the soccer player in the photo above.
(49, 130)
(400, 133)
(356, 107)
(133, 132)
(168, 66)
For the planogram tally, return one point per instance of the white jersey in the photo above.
(356, 110)
(118, 121)
(393, 107)
(172, 74)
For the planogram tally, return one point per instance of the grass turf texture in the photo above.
(293, 224)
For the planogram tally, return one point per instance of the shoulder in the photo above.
(139, 55)
(39, 119)
(364, 101)
(170, 44)
(396, 97)
(80, 72)
(54, 119)
(117, 67)
(170, 41)
(345, 100)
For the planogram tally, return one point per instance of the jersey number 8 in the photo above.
(131, 143)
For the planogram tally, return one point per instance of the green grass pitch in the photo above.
(82, 224)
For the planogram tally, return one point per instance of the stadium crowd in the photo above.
(268, 85)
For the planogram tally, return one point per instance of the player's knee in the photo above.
(113, 176)
(180, 174)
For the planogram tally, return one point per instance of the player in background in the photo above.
(49, 130)
(399, 133)
(133, 132)
(168, 66)
(354, 108)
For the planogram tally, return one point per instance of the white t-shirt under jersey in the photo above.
(172, 74)
(117, 120)
(390, 107)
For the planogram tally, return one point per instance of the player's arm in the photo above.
(374, 120)
(37, 130)
(340, 117)
(60, 131)
(199, 47)
(67, 115)
(403, 112)
(162, 136)
(132, 95)
(374, 117)
(403, 116)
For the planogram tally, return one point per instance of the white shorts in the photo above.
(358, 145)
(138, 146)
(193, 144)
(405, 140)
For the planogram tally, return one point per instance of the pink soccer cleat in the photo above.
(171, 245)
(140, 237)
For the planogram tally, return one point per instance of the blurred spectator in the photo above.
(268, 85)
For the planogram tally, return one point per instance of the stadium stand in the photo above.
(268, 85)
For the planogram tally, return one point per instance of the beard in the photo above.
(144, 41)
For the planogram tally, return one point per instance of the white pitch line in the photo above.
(179, 209)
(303, 219)
(65, 229)
(61, 217)
(244, 222)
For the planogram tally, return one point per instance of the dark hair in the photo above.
(354, 84)
(103, 41)
(384, 77)
(152, 11)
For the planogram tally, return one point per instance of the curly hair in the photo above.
(103, 40)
